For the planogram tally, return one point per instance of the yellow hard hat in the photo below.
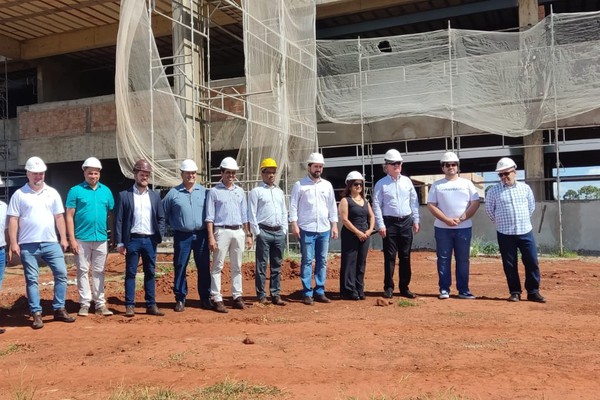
(268, 163)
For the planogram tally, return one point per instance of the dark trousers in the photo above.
(269, 249)
(508, 250)
(184, 243)
(398, 241)
(146, 249)
(354, 259)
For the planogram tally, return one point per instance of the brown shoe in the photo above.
(239, 304)
(154, 310)
(37, 321)
(308, 300)
(277, 301)
(220, 307)
(2, 330)
(263, 301)
(179, 306)
(321, 298)
(129, 311)
(62, 315)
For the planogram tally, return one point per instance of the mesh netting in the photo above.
(498, 82)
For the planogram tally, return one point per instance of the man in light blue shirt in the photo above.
(313, 214)
(267, 215)
(88, 205)
(185, 213)
(396, 209)
(510, 205)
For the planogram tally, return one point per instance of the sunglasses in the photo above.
(504, 174)
(395, 164)
(448, 165)
(357, 184)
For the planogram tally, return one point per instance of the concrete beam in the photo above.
(334, 8)
(10, 48)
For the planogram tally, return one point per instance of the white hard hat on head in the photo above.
(505, 163)
(392, 155)
(91, 162)
(188, 166)
(315, 158)
(354, 176)
(35, 164)
(229, 163)
(449, 156)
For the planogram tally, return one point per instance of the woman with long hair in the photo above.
(358, 223)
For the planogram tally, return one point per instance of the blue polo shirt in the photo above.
(184, 210)
(91, 211)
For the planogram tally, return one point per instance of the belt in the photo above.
(397, 219)
(139, 236)
(269, 228)
(232, 227)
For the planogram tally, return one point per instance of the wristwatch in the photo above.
(462, 218)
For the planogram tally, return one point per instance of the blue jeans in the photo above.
(2, 265)
(184, 244)
(136, 248)
(508, 250)
(269, 249)
(53, 255)
(314, 244)
(448, 241)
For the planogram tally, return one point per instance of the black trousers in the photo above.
(354, 259)
(398, 241)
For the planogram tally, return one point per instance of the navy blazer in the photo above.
(124, 216)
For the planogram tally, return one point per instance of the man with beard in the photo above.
(139, 227)
(314, 217)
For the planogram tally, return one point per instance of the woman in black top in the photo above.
(359, 222)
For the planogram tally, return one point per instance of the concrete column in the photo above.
(189, 71)
(533, 153)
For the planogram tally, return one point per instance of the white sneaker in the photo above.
(104, 311)
(83, 311)
(444, 295)
(466, 295)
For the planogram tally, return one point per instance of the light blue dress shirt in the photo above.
(184, 210)
(395, 198)
(266, 205)
(226, 206)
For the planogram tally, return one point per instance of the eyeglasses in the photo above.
(448, 165)
(395, 164)
(504, 174)
(357, 184)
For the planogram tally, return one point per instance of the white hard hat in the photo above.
(229, 163)
(315, 158)
(505, 163)
(35, 164)
(449, 157)
(91, 162)
(1, 182)
(188, 166)
(392, 155)
(354, 176)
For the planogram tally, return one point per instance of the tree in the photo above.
(589, 192)
(571, 195)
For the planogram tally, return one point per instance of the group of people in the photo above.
(223, 221)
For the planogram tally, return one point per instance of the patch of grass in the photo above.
(239, 390)
(565, 254)
(25, 390)
(10, 349)
(163, 268)
(147, 393)
(478, 247)
(406, 303)
(448, 394)
(179, 360)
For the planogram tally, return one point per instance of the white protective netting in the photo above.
(279, 44)
(497, 82)
(149, 123)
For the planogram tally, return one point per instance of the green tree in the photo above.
(571, 195)
(589, 192)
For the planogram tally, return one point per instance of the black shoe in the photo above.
(129, 311)
(219, 307)
(154, 310)
(62, 315)
(277, 301)
(179, 306)
(308, 300)
(321, 298)
(206, 304)
(408, 294)
(536, 297)
(362, 296)
(388, 293)
(37, 321)
(514, 297)
(239, 304)
(353, 296)
(2, 330)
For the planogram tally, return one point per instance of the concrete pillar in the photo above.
(533, 153)
(189, 71)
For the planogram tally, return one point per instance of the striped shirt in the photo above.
(510, 208)
(226, 207)
(312, 205)
(266, 205)
(395, 198)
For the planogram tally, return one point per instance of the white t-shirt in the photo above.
(453, 198)
(3, 208)
(36, 211)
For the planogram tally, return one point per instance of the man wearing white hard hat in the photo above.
(184, 207)
(510, 205)
(227, 225)
(453, 201)
(314, 217)
(267, 215)
(88, 205)
(3, 207)
(35, 213)
(396, 209)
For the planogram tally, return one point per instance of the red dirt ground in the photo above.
(482, 349)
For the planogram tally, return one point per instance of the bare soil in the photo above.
(481, 349)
